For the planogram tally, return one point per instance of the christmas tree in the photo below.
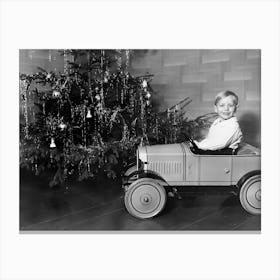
(93, 116)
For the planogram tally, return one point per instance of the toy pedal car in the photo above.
(170, 165)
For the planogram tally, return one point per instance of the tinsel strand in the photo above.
(23, 92)
(65, 62)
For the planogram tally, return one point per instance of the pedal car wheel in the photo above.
(130, 176)
(145, 198)
(130, 170)
(250, 195)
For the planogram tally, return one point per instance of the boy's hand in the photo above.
(193, 144)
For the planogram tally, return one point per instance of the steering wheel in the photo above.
(193, 146)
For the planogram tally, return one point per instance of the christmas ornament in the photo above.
(73, 120)
(106, 76)
(36, 169)
(89, 116)
(52, 145)
(56, 93)
(168, 113)
(97, 97)
(148, 95)
(62, 126)
(144, 84)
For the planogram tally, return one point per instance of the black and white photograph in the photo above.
(140, 139)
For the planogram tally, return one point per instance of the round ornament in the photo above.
(97, 97)
(144, 84)
(62, 126)
(148, 95)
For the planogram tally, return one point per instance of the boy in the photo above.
(224, 134)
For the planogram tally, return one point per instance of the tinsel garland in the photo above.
(92, 117)
(74, 129)
(23, 88)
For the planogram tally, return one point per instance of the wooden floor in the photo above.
(98, 206)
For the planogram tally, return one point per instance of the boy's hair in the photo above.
(224, 94)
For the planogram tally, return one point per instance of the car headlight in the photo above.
(142, 157)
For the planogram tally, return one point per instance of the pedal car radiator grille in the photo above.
(173, 167)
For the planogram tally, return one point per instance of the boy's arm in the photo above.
(220, 137)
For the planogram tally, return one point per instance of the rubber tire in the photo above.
(131, 198)
(130, 170)
(243, 195)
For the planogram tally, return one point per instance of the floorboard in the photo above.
(97, 205)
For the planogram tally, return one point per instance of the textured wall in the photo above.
(29, 60)
(199, 74)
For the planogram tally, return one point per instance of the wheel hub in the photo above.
(254, 195)
(145, 199)
(258, 195)
(250, 195)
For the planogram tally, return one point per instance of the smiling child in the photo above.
(224, 134)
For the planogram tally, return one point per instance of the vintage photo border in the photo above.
(145, 24)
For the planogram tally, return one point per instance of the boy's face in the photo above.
(226, 107)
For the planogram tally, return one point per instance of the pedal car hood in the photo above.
(147, 153)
